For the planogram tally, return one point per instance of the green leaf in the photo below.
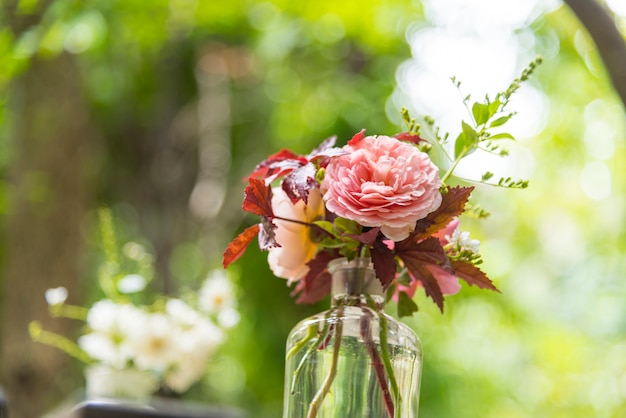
(502, 136)
(494, 106)
(500, 121)
(406, 305)
(466, 142)
(480, 111)
(347, 226)
(326, 226)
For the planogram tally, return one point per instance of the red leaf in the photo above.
(238, 246)
(326, 145)
(258, 198)
(472, 275)
(299, 182)
(357, 138)
(425, 276)
(409, 137)
(416, 255)
(426, 251)
(367, 238)
(384, 263)
(452, 205)
(316, 284)
(268, 166)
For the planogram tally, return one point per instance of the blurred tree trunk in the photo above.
(610, 42)
(49, 174)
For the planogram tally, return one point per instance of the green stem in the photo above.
(325, 388)
(386, 358)
(310, 333)
(453, 167)
(377, 363)
(69, 311)
(38, 334)
(320, 339)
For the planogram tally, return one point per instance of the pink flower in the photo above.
(289, 260)
(382, 182)
(448, 283)
(446, 232)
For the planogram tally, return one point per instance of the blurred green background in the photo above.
(159, 109)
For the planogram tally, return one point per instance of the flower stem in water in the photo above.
(379, 368)
(325, 388)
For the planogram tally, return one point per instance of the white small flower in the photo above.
(56, 296)
(195, 346)
(182, 313)
(185, 373)
(462, 241)
(111, 327)
(228, 318)
(216, 293)
(104, 348)
(131, 283)
(154, 342)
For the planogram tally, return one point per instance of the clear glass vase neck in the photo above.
(354, 283)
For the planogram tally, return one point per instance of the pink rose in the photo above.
(382, 182)
(289, 260)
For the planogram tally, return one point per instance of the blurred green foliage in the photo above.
(553, 344)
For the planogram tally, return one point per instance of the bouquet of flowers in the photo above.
(380, 197)
(132, 348)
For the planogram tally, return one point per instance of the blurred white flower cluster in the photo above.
(166, 345)
(136, 344)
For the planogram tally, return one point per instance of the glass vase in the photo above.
(352, 360)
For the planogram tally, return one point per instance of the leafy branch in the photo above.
(476, 134)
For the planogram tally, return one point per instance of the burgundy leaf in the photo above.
(384, 263)
(426, 251)
(267, 235)
(268, 166)
(316, 284)
(416, 255)
(367, 238)
(409, 137)
(299, 182)
(238, 246)
(258, 198)
(452, 205)
(357, 138)
(317, 266)
(419, 271)
(472, 275)
(320, 288)
(327, 144)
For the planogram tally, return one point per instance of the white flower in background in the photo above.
(216, 293)
(132, 283)
(130, 350)
(111, 327)
(228, 318)
(56, 296)
(195, 345)
(182, 313)
(104, 348)
(154, 342)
